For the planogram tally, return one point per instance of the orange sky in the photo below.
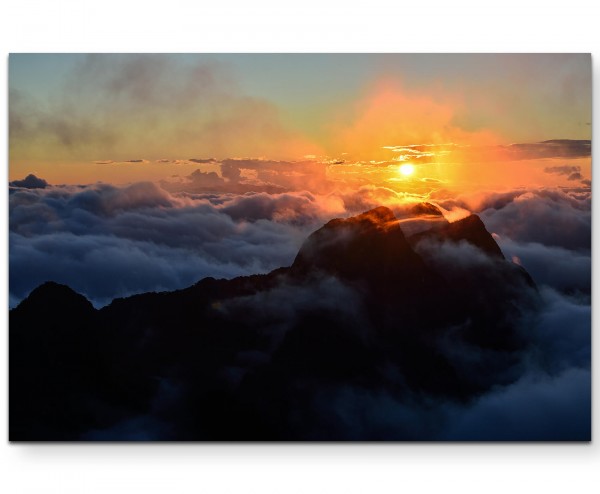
(112, 118)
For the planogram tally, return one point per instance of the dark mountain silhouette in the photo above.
(371, 250)
(251, 358)
(370, 244)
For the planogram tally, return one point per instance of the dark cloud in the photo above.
(231, 170)
(563, 170)
(561, 333)
(104, 267)
(549, 217)
(241, 176)
(202, 160)
(558, 217)
(572, 172)
(30, 182)
(279, 309)
(294, 175)
(205, 179)
(296, 208)
(560, 268)
(536, 408)
(198, 182)
(480, 202)
(551, 399)
(554, 148)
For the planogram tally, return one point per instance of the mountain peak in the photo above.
(470, 229)
(379, 215)
(425, 209)
(52, 297)
(379, 218)
(370, 245)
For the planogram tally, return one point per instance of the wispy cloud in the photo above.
(118, 105)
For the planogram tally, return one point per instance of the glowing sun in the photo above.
(406, 169)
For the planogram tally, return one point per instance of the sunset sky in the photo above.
(132, 174)
(79, 119)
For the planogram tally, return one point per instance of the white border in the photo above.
(311, 25)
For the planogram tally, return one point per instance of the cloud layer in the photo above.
(78, 234)
(106, 241)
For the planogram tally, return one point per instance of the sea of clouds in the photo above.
(109, 241)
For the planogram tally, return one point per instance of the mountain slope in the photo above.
(246, 358)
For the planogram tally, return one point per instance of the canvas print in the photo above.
(299, 247)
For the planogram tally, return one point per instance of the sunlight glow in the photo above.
(406, 169)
